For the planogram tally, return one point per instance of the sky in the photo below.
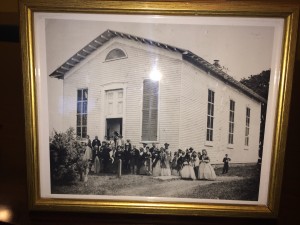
(243, 46)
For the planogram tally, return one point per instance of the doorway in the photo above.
(114, 125)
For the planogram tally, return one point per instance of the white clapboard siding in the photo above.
(96, 75)
(183, 89)
(194, 97)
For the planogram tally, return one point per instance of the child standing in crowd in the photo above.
(195, 162)
(226, 164)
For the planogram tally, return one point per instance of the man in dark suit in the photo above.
(95, 147)
(153, 148)
(96, 142)
(127, 155)
(107, 160)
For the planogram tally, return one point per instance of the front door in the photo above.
(114, 112)
(112, 126)
(114, 103)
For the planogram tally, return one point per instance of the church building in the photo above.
(149, 92)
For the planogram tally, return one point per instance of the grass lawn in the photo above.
(244, 189)
(240, 183)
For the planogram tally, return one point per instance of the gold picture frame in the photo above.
(31, 48)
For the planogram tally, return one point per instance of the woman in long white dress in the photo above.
(165, 163)
(206, 171)
(187, 171)
(88, 154)
(87, 158)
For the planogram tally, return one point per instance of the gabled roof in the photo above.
(186, 55)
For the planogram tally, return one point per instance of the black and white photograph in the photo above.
(160, 108)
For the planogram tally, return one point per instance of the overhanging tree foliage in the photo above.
(260, 84)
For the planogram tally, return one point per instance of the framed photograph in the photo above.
(157, 107)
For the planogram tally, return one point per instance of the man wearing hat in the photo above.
(106, 157)
(168, 152)
(115, 138)
(120, 141)
(180, 159)
(191, 149)
(127, 150)
(134, 159)
(153, 148)
(144, 146)
(88, 141)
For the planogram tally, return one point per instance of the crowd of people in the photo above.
(115, 155)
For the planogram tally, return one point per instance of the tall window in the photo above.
(231, 122)
(82, 100)
(150, 110)
(210, 115)
(247, 126)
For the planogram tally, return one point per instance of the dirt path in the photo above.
(137, 185)
(241, 183)
(170, 188)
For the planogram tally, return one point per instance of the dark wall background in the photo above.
(13, 191)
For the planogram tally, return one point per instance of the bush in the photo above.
(64, 155)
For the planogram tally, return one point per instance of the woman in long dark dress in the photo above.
(97, 165)
(145, 157)
(156, 163)
(174, 165)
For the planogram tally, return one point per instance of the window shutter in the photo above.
(150, 110)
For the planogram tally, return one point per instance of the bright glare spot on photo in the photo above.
(5, 214)
(155, 75)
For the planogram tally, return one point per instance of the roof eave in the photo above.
(82, 54)
(208, 67)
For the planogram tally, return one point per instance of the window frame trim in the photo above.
(77, 101)
(246, 147)
(115, 59)
(210, 142)
(230, 145)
